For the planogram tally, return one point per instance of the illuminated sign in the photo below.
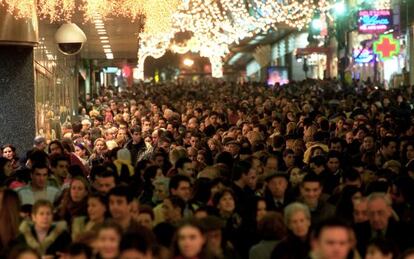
(363, 56)
(374, 21)
(386, 47)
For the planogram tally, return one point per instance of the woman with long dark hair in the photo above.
(9, 217)
(190, 242)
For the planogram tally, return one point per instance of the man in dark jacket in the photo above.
(138, 148)
(381, 225)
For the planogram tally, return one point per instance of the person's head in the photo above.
(389, 147)
(79, 251)
(180, 185)
(368, 143)
(109, 236)
(261, 208)
(160, 189)
(9, 215)
(81, 150)
(40, 143)
(136, 245)
(79, 189)
(271, 164)
(146, 216)
(185, 167)
(56, 147)
(336, 144)
(379, 210)
(225, 201)
(277, 184)
(289, 158)
(189, 240)
(311, 189)
(23, 252)
(136, 133)
(381, 249)
(120, 199)
(8, 151)
(333, 162)
(39, 175)
(97, 207)
(59, 164)
(332, 239)
(105, 180)
(360, 212)
(317, 164)
(6, 166)
(173, 208)
(295, 176)
(244, 173)
(408, 254)
(42, 214)
(272, 227)
(298, 219)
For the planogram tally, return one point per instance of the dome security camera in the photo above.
(70, 39)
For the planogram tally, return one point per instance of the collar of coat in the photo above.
(27, 229)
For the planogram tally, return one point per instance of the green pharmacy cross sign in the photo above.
(386, 47)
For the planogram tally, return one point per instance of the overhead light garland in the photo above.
(215, 24)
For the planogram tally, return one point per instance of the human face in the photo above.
(271, 165)
(160, 192)
(333, 243)
(55, 149)
(277, 186)
(311, 191)
(333, 164)
(8, 153)
(100, 146)
(39, 178)
(190, 241)
(119, 207)
(295, 176)
(145, 220)
(368, 143)
(96, 209)
(27, 255)
(336, 147)
(226, 204)
(78, 190)
(108, 243)
(374, 253)
(379, 214)
(43, 218)
(299, 224)
(261, 210)
(183, 190)
(390, 149)
(289, 160)
(136, 137)
(62, 169)
(79, 152)
(410, 152)
(360, 211)
(252, 179)
(189, 169)
(105, 184)
(170, 212)
(135, 254)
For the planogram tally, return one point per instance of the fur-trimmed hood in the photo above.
(27, 229)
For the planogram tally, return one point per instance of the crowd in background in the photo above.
(311, 169)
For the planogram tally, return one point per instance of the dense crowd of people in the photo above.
(310, 169)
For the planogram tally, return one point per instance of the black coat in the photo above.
(292, 247)
(397, 233)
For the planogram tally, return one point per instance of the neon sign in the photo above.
(386, 47)
(363, 56)
(374, 21)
